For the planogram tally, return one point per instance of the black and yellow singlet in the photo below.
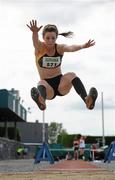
(45, 61)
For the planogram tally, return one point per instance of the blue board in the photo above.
(110, 155)
(44, 154)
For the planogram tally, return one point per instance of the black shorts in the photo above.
(76, 148)
(54, 83)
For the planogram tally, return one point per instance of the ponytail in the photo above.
(68, 34)
(53, 28)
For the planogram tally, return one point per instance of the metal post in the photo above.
(44, 152)
(103, 130)
(43, 129)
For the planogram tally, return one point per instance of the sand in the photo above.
(102, 175)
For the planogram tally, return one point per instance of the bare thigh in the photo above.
(49, 89)
(65, 83)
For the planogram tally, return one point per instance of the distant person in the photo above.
(76, 148)
(68, 156)
(81, 147)
(20, 152)
(49, 56)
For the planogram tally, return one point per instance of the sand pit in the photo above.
(63, 170)
(102, 175)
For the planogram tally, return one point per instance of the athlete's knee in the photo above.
(71, 76)
(42, 82)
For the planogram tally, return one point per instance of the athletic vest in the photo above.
(45, 61)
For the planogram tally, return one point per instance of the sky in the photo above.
(88, 19)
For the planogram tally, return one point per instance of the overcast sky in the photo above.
(88, 19)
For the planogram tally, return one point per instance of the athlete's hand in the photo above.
(33, 26)
(89, 44)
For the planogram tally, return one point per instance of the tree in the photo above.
(54, 129)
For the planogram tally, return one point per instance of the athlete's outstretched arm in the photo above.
(73, 48)
(33, 27)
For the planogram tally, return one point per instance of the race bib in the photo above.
(51, 62)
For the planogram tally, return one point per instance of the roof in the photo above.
(8, 115)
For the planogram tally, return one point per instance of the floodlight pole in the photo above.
(43, 129)
(44, 152)
(103, 129)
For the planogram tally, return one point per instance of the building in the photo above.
(15, 131)
(10, 107)
(13, 113)
(32, 132)
(11, 110)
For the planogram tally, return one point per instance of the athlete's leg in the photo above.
(41, 93)
(80, 89)
(70, 79)
(91, 98)
(49, 90)
(65, 83)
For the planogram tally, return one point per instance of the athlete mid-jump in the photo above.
(49, 56)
